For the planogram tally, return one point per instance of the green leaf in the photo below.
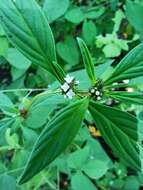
(94, 12)
(7, 182)
(78, 158)
(75, 15)
(28, 30)
(54, 9)
(87, 59)
(119, 129)
(80, 181)
(95, 169)
(16, 59)
(119, 16)
(55, 138)
(3, 46)
(6, 104)
(68, 51)
(89, 28)
(5, 123)
(132, 183)
(127, 97)
(130, 66)
(134, 13)
(111, 50)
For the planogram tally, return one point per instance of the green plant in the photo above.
(27, 29)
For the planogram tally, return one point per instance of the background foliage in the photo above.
(110, 29)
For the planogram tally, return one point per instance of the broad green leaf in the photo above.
(132, 183)
(75, 15)
(111, 50)
(78, 158)
(95, 169)
(38, 114)
(18, 161)
(16, 59)
(54, 9)
(6, 104)
(68, 51)
(54, 139)
(120, 131)
(134, 13)
(7, 182)
(29, 137)
(87, 59)
(37, 117)
(94, 12)
(89, 28)
(17, 73)
(80, 181)
(127, 97)
(28, 30)
(130, 66)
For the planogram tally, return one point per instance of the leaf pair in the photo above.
(119, 129)
(28, 30)
(55, 138)
(131, 66)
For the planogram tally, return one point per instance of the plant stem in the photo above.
(23, 90)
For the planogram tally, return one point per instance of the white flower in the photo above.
(98, 98)
(65, 87)
(70, 94)
(92, 90)
(126, 81)
(69, 79)
(97, 93)
(68, 87)
(130, 89)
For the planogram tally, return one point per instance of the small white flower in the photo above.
(69, 79)
(70, 94)
(92, 90)
(115, 83)
(97, 93)
(68, 87)
(65, 87)
(130, 89)
(126, 81)
(98, 98)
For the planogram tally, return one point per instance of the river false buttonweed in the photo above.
(119, 129)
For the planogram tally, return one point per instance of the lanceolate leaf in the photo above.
(55, 138)
(131, 66)
(28, 30)
(119, 129)
(89, 66)
(127, 97)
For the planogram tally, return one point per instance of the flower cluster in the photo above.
(96, 93)
(68, 86)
